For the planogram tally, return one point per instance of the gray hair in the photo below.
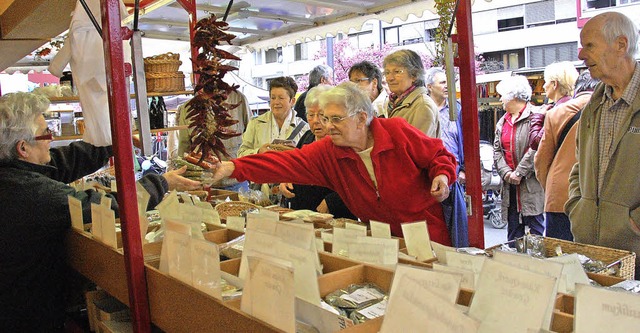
(313, 95)
(430, 77)
(515, 87)
(318, 73)
(411, 61)
(349, 96)
(18, 120)
(617, 24)
(585, 82)
(564, 73)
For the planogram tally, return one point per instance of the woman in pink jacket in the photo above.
(383, 169)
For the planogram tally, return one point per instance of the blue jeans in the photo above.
(558, 226)
(515, 229)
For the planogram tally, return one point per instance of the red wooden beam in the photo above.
(123, 153)
(469, 101)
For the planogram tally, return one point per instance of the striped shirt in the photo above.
(611, 118)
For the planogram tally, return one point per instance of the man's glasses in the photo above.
(394, 72)
(48, 135)
(334, 119)
(356, 81)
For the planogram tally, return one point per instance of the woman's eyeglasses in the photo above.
(48, 135)
(334, 119)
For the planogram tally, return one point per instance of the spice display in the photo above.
(208, 111)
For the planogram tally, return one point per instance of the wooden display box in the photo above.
(222, 195)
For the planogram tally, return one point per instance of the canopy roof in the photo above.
(264, 24)
(27, 25)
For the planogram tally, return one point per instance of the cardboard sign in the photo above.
(96, 221)
(178, 246)
(414, 305)
(379, 251)
(75, 210)
(380, 229)
(440, 251)
(360, 228)
(325, 321)
(444, 285)
(510, 299)
(235, 223)
(544, 267)
(341, 240)
(269, 292)
(416, 236)
(205, 262)
(466, 262)
(209, 214)
(261, 222)
(143, 202)
(168, 207)
(605, 310)
(468, 278)
(108, 227)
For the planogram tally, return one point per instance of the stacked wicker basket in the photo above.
(162, 73)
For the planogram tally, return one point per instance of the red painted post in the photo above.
(190, 7)
(123, 153)
(469, 100)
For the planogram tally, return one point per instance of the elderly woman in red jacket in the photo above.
(383, 169)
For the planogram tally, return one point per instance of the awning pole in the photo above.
(469, 100)
(123, 153)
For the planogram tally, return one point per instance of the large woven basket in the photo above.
(233, 208)
(162, 63)
(624, 261)
(163, 82)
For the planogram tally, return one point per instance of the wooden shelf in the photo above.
(153, 131)
(74, 99)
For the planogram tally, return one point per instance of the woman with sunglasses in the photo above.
(35, 213)
(383, 169)
(409, 98)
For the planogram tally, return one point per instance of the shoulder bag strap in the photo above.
(567, 128)
(296, 130)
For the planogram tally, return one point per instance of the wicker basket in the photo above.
(162, 82)
(162, 63)
(625, 261)
(233, 208)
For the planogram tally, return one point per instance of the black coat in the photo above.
(310, 196)
(33, 223)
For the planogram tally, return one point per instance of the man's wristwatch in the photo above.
(518, 174)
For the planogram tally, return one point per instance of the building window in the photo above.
(595, 4)
(430, 35)
(301, 52)
(258, 58)
(391, 36)
(503, 60)
(361, 39)
(513, 23)
(273, 55)
(541, 56)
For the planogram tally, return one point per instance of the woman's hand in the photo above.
(323, 208)
(440, 188)
(177, 182)
(513, 179)
(223, 170)
(285, 189)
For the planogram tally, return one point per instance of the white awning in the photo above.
(492, 77)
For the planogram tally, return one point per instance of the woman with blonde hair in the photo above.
(559, 80)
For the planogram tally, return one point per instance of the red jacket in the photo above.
(404, 160)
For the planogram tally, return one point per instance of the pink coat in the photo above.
(404, 160)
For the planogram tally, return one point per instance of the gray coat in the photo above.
(530, 191)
